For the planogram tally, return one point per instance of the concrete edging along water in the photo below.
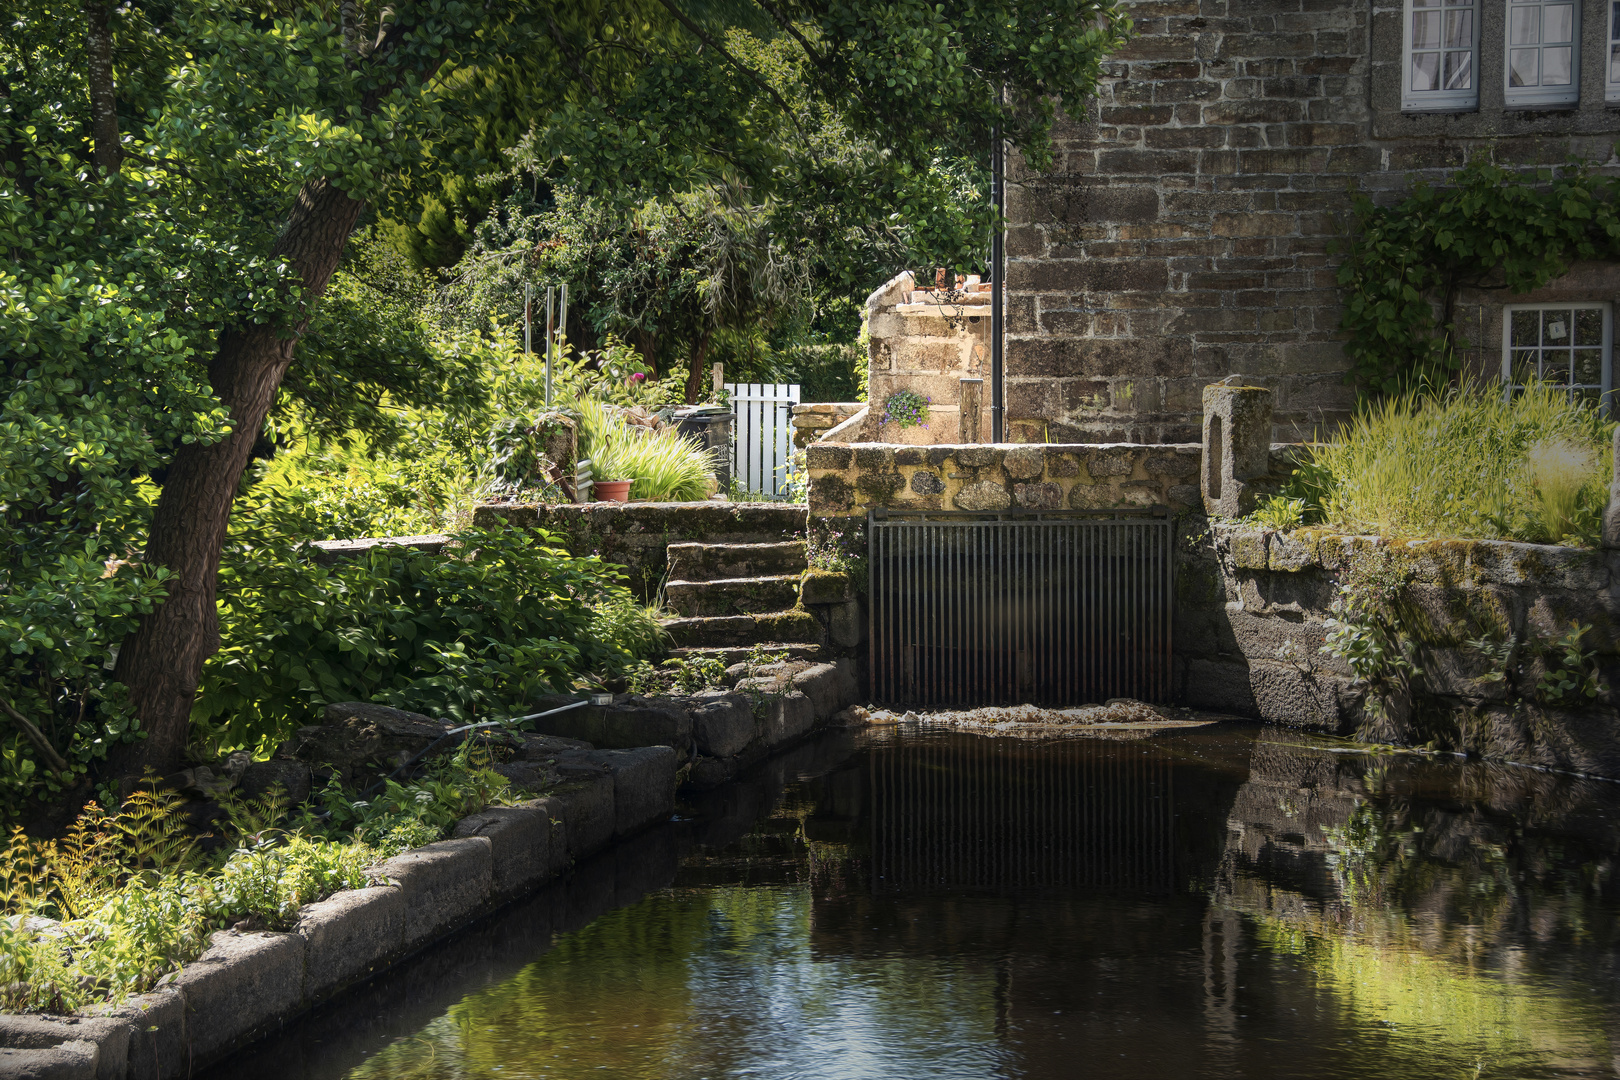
(249, 983)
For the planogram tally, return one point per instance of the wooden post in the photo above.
(970, 397)
(719, 379)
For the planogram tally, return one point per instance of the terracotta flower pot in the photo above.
(613, 490)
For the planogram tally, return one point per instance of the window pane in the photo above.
(1426, 30)
(1459, 70)
(1526, 328)
(1426, 71)
(1591, 397)
(1614, 62)
(1558, 24)
(1555, 326)
(1522, 67)
(1425, 3)
(1589, 366)
(1524, 365)
(1614, 21)
(1459, 29)
(1555, 67)
(1589, 327)
(1524, 25)
(1555, 367)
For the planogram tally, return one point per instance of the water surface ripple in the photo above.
(1233, 902)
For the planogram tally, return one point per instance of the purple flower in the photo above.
(637, 377)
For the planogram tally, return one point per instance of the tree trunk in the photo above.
(162, 660)
(694, 374)
(103, 103)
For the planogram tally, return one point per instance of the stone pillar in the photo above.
(1611, 515)
(970, 396)
(1237, 446)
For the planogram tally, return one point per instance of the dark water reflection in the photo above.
(1232, 903)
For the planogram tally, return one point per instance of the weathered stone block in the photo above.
(587, 814)
(242, 986)
(846, 625)
(1110, 462)
(643, 787)
(724, 726)
(787, 717)
(982, 496)
(70, 1046)
(157, 1040)
(75, 1060)
(821, 684)
(1047, 496)
(1025, 462)
(825, 587)
(444, 884)
(348, 936)
(519, 843)
(1237, 446)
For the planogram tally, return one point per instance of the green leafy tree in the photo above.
(180, 182)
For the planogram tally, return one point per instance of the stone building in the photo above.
(1186, 230)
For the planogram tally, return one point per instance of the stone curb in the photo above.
(249, 983)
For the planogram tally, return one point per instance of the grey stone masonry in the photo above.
(1186, 230)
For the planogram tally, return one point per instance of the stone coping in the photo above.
(1460, 563)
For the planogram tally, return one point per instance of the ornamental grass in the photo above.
(1470, 463)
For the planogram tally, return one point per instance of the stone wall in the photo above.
(1251, 614)
(637, 535)
(927, 343)
(847, 481)
(1185, 232)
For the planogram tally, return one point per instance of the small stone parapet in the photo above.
(1252, 607)
(811, 422)
(847, 481)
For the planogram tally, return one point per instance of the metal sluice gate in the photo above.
(1047, 608)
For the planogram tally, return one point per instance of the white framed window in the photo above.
(1440, 68)
(1568, 345)
(1611, 74)
(1543, 55)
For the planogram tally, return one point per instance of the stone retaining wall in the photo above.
(637, 535)
(1251, 619)
(249, 983)
(847, 481)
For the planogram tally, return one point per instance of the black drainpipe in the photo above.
(998, 271)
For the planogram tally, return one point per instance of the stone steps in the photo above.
(730, 655)
(742, 631)
(732, 596)
(715, 562)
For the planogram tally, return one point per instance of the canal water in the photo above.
(1225, 902)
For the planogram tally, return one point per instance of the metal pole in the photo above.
(551, 293)
(998, 273)
(562, 316)
(528, 307)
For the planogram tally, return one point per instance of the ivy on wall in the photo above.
(1491, 228)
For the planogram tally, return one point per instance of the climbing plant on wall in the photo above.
(1490, 228)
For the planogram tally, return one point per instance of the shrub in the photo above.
(1467, 464)
(471, 633)
(906, 408)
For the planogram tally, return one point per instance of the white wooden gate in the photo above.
(762, 437)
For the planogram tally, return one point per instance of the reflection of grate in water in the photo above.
(998, 815)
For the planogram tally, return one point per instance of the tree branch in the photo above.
(787, 24)
(733, 61)
(37, 737)
(573, 58)
(103, 102)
